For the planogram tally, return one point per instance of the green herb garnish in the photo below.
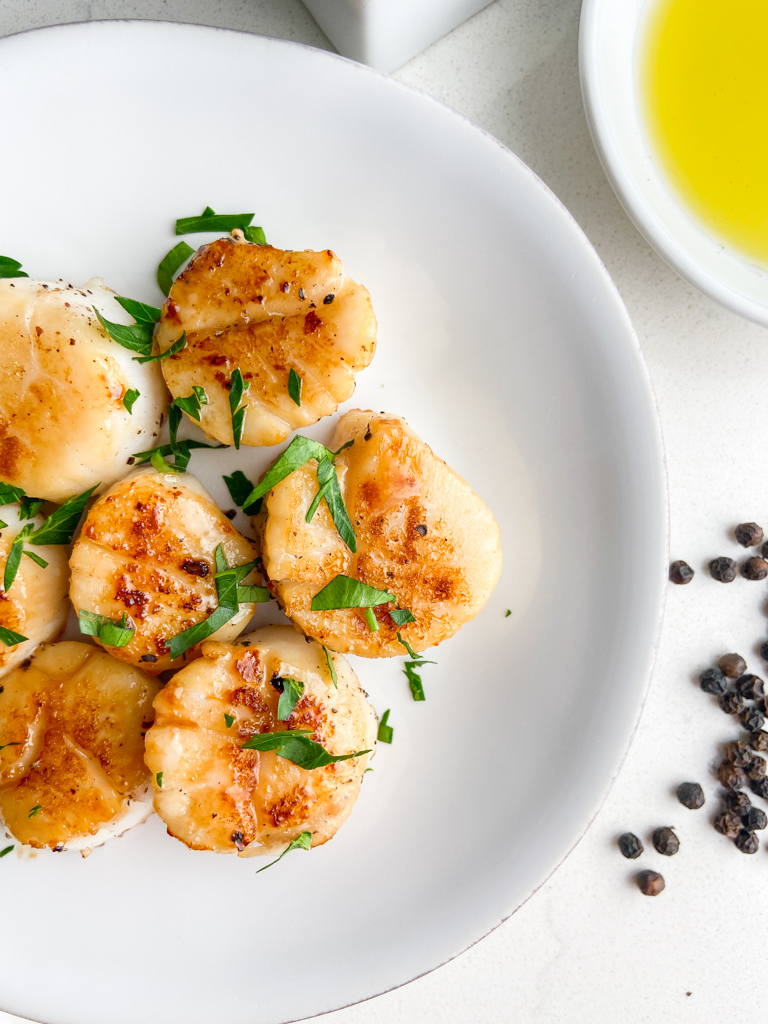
(34, 811)
(293, 690)
(135, 337)
(176, 347)
(60, 526)
(10, 639)
(254, 234)
(414, 679)
(296, 746)
(14, 743)
(346, 592)
(170, 263)
(181, 451)
(385, 732)
(402, 616)
(140, 311)
(30, 507)
(294, 386)
(331, 666)
(4, 852)
(10, 494)
(300, 450)
(236, 388)
(129, 399)
(10, 268)
(370, 618)
(192, 404)
(303, 841)
(110, 632)
(240, 487)
(507, 613)
(228, 720)
(36, 558)
(210, 221)
(159, 780)
(406, 645)
(14, 556)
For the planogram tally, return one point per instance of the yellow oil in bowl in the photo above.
(704, 85)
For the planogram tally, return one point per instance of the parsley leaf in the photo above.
(406, 645)
(385, 732)
(401, 616)
(129, 399)
(111, 633)
(338, 509)
(176, 347)
(507, 613)
(136, 337)
(294, 386)
(34, 811)
(254, 234)
(140, 311)
(240, 487)
(345, 592)
(4, 852)
(192, 404)
(293, 690)
(9, 638)
(370, 618)
(60, 526)
(14, 743)
(300, 450)
(36, 558)
(30, 507)
(159, 780)
(10, 268)
(170, 263)
(236, 388)
(303, 841)
(10, 494)
(182, 452)
(14, 556)
(228, 720)
(331, 666)
(414, 678)
(210, 221)
(296, 746)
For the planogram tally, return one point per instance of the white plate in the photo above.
(608, 61)
(504, 343)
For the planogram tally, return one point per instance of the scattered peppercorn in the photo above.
(755, 568)
(749, 535)
(755, 819)
(750, 687)
(666, 842)
(690, 795)
(737, 802)
(764, 650)
(760, 787)
(680, 572)
(733, 665)
(728, 824)
(759, 741)
(756, 768)
(738, 753)
(723, 570)
(712, 680)
(752, 719)
(630, 845)
(747, 842)
(731, 702)
(731, 776)
(650, 883)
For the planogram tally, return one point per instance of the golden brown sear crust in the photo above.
(73, 721)
(422, 535)
(217, 796)
(266, 312)
(147, 550)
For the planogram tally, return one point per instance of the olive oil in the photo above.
(704, 86)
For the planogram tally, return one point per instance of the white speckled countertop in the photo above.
(588, 947)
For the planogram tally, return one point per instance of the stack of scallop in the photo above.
(164, 701)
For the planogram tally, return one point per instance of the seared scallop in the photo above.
(63, 424)
(213, 794)
(36, 606)
(423, 536)
(266, 312)
(72, 724)
(147, 550)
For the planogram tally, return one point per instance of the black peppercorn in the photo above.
(730, 702)
(736, 801)
(752, 719)
(756, 768)
(680, 572)
(755, 568)
(723, 570)
(728, 824)
(760, 787)
(731, 776)
(759, 741)
(733, 665)
(690, 795)
(712, 680)
(750, 687)
(738, 753)
(749, 535)
(754, 819)
(747, 842)
(630, 845)
(650, 883)
(666, 842)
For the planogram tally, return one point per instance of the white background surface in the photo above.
(588, 946)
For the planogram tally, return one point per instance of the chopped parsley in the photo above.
(140, 311)
(135, 337)
(210, 221)
(10, 639)
(303, 841)
(293, 690)
(159, 780)
(6, 850)
(294, 386)
(192, 404)
(228, 720)
(10, 268)
(170, 263)
(385, 732)
(35, 810)
(236, 388)
(108, 631)
(255, 234)
(296, 746)
(129, 399)
(331, 666)
(36, 558)
(176, 347)
(346, 592)
(30, 507)
(240, 487)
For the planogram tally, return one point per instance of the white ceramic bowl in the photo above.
(608, 58)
